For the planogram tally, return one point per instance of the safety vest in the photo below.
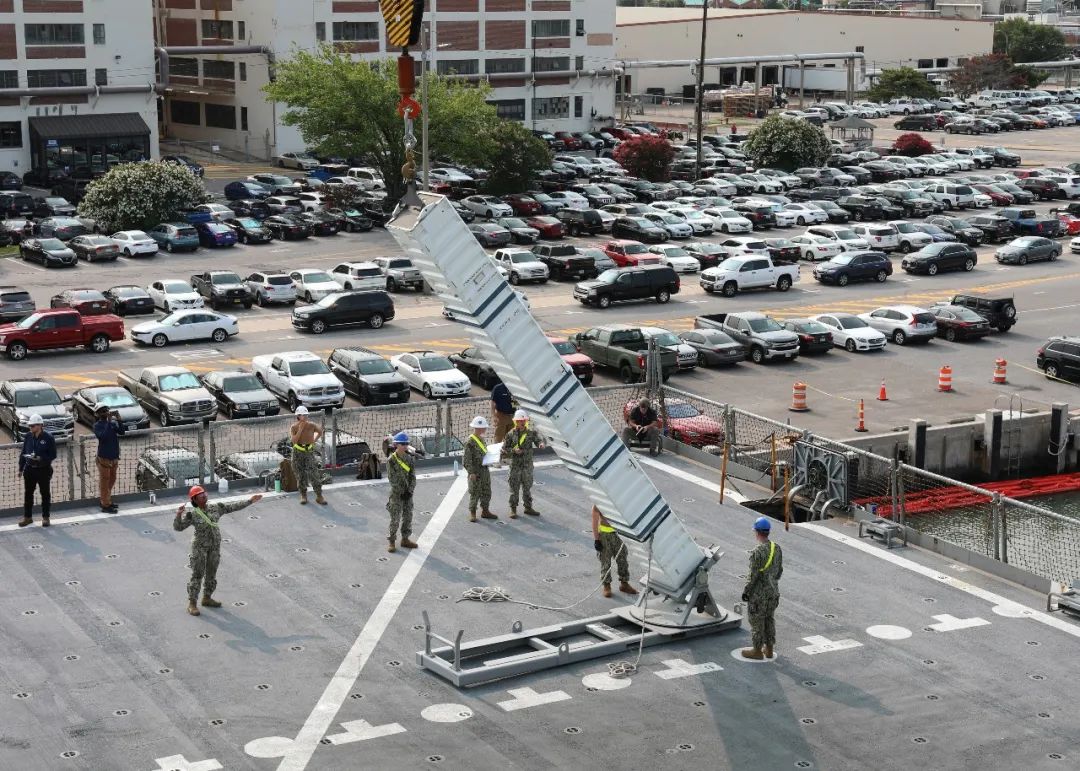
(401, 463)
(303, 447)
(523, 437)
(479, 442)
(606, 528)
(206, 519)
(772, 553)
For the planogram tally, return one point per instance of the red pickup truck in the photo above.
(64, 328)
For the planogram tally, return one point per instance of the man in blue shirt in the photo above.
(35, 466)
(502, 410)
(108, 429)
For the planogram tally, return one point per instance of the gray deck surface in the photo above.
(112, 668)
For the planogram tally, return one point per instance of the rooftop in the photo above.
(627, 15)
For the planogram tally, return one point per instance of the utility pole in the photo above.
(699, 106)
(427, 64)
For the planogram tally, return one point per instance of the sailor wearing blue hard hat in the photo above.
(401, 472)
(762, 592)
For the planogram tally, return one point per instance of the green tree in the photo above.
(994, 71)
(646, 157)
(517, 156)
(1023, 41)
(788, 144)
(349, 108)
(138, 196)
(901, 81)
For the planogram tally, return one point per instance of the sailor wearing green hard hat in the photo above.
(762, 592)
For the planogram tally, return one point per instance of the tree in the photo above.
(787, 144)
(901, 81)
(517, 156)
(647, 157)
(349, 108)
(138, 196)
(1022, 41)
(993, 71)
(912, 145)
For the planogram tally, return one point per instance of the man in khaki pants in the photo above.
(108, 429)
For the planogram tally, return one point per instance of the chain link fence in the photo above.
(962, 514)
(1040, 541)
(151, 459)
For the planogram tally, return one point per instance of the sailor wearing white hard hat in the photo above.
(304, 434)
(517, 447)
(479, 474)
(35, 466)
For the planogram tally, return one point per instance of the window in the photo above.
(220, 116)
(579, 106)
(241, 31)
(99, 34)
(9, 78)
(184, 66)
(320, 31)
(54, 34)
(185, 112)
(11, 134)
(551, 63)
(243, 70)
(509, 109)
(243, 119)
(499, 66)
(925, 64)
(579, 27)
(551, 107)
(212, 68)
(551, 28)
(216, 28)
(458, 66)
(859, 49)
(356, 30)
(101, 77)
(579, 63)
(55, 78)
(943, 62)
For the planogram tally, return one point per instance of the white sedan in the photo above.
(1074, 246)
(806, 214)
(716, 186)
(702, 224)
(851, 332)
(487, 206)
(728, 220)
(816, 248)
(313, 284)
(173, 294)
(431, 374)
(133, 242)
(186, 325)
(218, 212)
(570, 199)
(677, 258)
(300, 161)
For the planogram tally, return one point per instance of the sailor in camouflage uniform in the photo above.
(305, 462)
(401, 471)
(518, 445)
(206, 546)
(479, 474)
(610, 547)
(762, 592)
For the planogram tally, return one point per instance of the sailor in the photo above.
(518, 445)
(762, 592)
(303, 434)
(206, 546)
(608, 545)
(479, 474)
(401, 471)
(35, 466)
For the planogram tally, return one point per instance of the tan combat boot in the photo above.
(485, 514)
(303, 497)
(768, 652)
(752, 653)
(391, 547)
(531, 511)
(26, 521)
(320, 500)
(472, 516)
(513, 514)
(408, 543)
(192, 608)
(626, 588)
(607, 590)
(210, 602)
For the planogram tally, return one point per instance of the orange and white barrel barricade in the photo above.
(944, 381)
(999, 372)
(798, 398)
(861, 428)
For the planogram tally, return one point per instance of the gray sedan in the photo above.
(713, 346)
(1027, 249)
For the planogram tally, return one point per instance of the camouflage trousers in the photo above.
(611, 546)
(762, 624)
(306, 468)
(521, 479)
(480, 490)
(400, 516)
(204, 565)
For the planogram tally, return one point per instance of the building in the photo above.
(76, 83)
(549, 61)
(886, 41)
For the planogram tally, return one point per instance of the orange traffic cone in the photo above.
(881, 395)
(861, 428)
(944, 383)
(999, 372)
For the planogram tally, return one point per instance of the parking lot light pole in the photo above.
(698, 107)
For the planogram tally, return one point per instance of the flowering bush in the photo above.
(138, 196)
(912, 144)
(788, 144)
(646, 157)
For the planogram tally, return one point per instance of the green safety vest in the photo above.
(303, 447)
(400, 462)
(772, 553)
(205, 518)
(479, 442)
(523, 437)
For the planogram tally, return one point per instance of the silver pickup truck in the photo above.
(173, 394)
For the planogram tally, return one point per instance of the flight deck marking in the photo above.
(679, 668)
(688, 477)
(602, 681)
(527, 697)
(296, 753)
(179, 763)
(361, 730)
(947, 623)
(889, 632)
(822, 644)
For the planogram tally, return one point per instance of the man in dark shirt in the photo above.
(643, 425)
(502, 410)
(35, 465)
(108, 429)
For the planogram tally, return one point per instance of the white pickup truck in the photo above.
(299, 378)
(749, 271)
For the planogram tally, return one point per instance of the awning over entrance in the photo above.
(125, 124)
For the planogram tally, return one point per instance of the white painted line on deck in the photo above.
(524, 698)
(821, 644)
(686, 476)
(677, 668)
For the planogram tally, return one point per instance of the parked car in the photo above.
(368, 376)
(184, 326)
(851, 332)
(488, 234)
(175, 236)
(313, 284)
(348, 308)
(940, 256)
(301, 161)
(50, 252)
(814, 337)
(285, 227)
(854, 266)
(128, 300)
(22, 397)
(85, 403)
(1027, 249)
(173, 294)
(955, 322)
(58, 329)
(548, 227)
(15, 303)
(902, 323)
(186, 162)
(64, 228)
(245, 189)
(432, 374)
(472, 363)
(271, 286)
(1058, 358)
(94, 248)
(239, 394)
(88, 302)
(713, 347)
(640, 282)
(215, 234)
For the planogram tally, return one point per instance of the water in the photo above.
(1066, 504)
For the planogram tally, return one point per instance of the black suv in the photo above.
(15, 204)
(337, 309)
(995, 228)
(966, 232)
(368, 376)
(916, 123)
(635, 283)
(999, 311)
(579, 222)
(1060, 358)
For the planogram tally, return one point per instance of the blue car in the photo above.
(215, 234)
(238, 191)
(183, 160)
(175, 236)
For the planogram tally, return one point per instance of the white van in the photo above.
(370, 179)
